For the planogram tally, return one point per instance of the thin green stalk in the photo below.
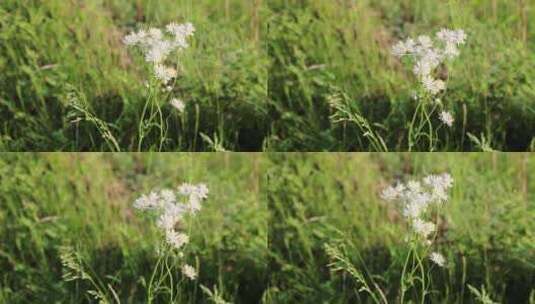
(411, 125)
(403, 273)
(149, 292)
(422, 279)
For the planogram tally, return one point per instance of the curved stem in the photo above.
(403, 273)
(411, 126)
(150, 295)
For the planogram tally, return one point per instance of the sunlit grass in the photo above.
(341, 50)
(333, 238)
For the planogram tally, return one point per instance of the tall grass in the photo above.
(69, 230)
(334, 240)
(277, 228)
(325, 51)
(280, 75)
(68, 82)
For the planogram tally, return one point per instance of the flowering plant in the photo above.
(427, 55)
(157, 46)
(171, 208)
(416, 199)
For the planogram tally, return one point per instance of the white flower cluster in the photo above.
(429, 54)
(438, 259)
(189, 272)
(415, 198)
(446, 118)
(171, 210)
(178, 104)
(157, 45)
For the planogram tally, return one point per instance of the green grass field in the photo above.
(50, 202)
(335, 85)
(267, 231)
(277, 75)
(267, 76)
(486, 229)
(68, 83)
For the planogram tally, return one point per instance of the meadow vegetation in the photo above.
(333, 238)
(273, 228)
(277, 75)
(334, 84)
(69, 83)
(70, 232)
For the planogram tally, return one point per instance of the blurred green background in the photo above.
(85, 201)
(66, 77)
(262, 234)
(340, 50)
(486, 231)
(261, 75)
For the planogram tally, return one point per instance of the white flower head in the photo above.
(453, 37)
(422, 69)
(423, 228)
(433, 86)
(157, 46)
(194, 204)
(171, 211)
(446, 118)
(176, 239)
(166, 221)
(438, 259)
(146, 202)
(200, 191)
(155, 33)
(189, 271)
(414, 209)
(186, 188)
(390, 193)
(425, 41)
(447, 180)
(178, 104)
(428, 54)
(414, 186)
(441, 182)
(400, 49)
(181, 33)
(134, 38)
(164, 73)
(158, 51)
(167, 196)
(416, 197)
(451, 51)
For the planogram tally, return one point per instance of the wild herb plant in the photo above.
(336, 86)
(172, 208)
(420, 201)
(157, 47)
(428, 56)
